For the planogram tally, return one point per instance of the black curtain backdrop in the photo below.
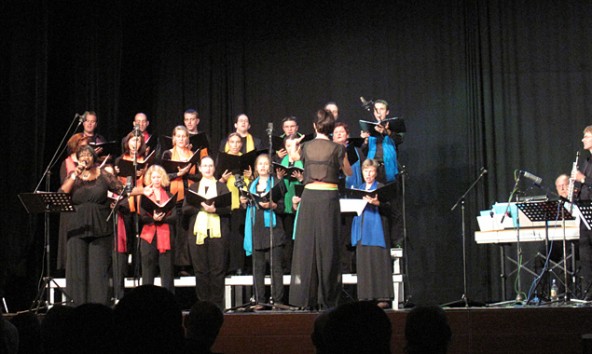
(501, 85)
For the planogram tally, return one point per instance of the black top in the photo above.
(322, 161)
(92, 206)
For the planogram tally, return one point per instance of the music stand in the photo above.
(47, 202)
(549, 211)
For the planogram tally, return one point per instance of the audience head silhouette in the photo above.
(356, 327)
(148, 320)
(202, 326)
(54, 329)
(91, 329)
(427, 331)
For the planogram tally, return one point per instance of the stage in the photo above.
(553, 329)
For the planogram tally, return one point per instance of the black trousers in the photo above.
(209, 265)
(260, 260)
(152, 259)
(87, 269)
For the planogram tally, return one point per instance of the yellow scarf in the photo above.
(205, 221)
(235, 195)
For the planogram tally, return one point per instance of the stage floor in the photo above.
(505, 329)
(553, 329)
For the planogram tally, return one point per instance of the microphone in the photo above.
(483, 171)
(239, 182)
(128, 185)
(81, 118)
(136, 129)
(269, 128)
(367, 105)
(535, 179)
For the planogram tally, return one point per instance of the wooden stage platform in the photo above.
(555, 330)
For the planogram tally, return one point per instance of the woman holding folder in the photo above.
(261, 217)
(134, 151)
(236, 254)
(156, 239)
(208, 229)
(181, 177)
(373, 257)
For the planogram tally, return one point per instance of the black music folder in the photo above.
(112, 148)
(277, 142)
(171, 166)
(308, 137)
(356, 142)
(237, 164)
(47, 202)
(198, 141)
(277, 193)
(152, 142)
(298, 189)
(221, 201)
(385, 193)
(395, 124)
(352, 155)
(151, 206)
(289, 170)
(126, 167)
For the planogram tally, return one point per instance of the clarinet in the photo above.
(572, 180)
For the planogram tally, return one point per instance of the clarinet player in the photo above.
(583, 178)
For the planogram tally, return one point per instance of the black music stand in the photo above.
(47, 202)
(548, 211)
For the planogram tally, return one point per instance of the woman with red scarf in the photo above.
(156, 249)
(134, 149)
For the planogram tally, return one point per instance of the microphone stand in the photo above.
(464, 298)
(519, 298)
(136, 214)
(274, 306)
(47, 278)
(408, 287)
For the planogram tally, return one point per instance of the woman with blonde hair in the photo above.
(156, 238)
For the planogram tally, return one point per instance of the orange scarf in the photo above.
(177, 184)
(162, 230)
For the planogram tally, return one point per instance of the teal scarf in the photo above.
(251, 214)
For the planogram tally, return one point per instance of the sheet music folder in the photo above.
(222, 200)
(395, 124)
(151, 206)
(385, 193)
(171, 166)
(47, 202)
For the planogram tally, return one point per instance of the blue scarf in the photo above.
(367, 228)
(252, 212)
(389, 156)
